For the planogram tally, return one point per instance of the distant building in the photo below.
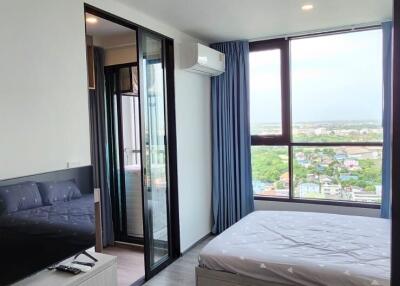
(308, 189)
(259, 187)
(331, 189)
(340, 156)
(362, 153)
(304, 163)
(347, 177)
(320, 131)
(325, 179)
(312, 177)
(327, 160)
(350, 163)
(273, 192)
(359, 195)
(300, 156)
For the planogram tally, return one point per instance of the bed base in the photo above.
(207, 277)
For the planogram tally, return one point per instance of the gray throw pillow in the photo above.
(58, 191)
(19, 197)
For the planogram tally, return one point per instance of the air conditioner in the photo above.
(204, 60)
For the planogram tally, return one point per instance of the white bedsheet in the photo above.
(302, 248)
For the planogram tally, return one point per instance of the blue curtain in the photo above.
(232, 191)
(387, 120)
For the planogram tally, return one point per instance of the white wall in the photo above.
(44, 121)
(43, 97)
(300, 207)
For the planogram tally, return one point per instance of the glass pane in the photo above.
(337, 88)
(133, 183)
(155, 149)
(131, 129)
(338, 173)
(270, 170)
(265, 93)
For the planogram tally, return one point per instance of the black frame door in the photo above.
(152, 265)
(169, 78)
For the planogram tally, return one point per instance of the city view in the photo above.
(327, 104)
(350, 173)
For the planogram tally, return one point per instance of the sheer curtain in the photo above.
(232, 192)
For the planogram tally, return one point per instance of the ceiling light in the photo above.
(91, 20)
(307, 7)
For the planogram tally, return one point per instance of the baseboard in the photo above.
(197, 243)
(128, 245)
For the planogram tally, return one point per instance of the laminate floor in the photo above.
(130, 263)
(182, 271)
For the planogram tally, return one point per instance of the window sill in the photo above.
(319, 202)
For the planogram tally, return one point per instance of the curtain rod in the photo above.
(321, 32)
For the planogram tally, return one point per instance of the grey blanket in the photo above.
(301, 248)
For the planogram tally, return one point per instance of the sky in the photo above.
(333, 78)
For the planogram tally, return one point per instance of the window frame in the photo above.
(286, 138)
(282, 45)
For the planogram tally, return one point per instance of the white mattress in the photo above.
(301, 248)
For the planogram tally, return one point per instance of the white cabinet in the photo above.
(104, 273)
(105, 278)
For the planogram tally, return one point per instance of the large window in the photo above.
(316, 118)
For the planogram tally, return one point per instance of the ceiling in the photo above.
(224, 20)
(108, 34)
(104, 27)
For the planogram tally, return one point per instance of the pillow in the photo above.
(58, 191)
(19, 197)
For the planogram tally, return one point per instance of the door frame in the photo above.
(171, 162)
(173, 197)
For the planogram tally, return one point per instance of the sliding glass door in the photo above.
(140, 162)
(155, 151)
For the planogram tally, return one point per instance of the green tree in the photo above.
(268, 163)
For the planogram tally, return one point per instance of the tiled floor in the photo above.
(130, 263)
(131, 267)
(182, 271)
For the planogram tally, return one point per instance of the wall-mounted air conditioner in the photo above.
(204, 60)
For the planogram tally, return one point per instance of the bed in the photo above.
(298, 248)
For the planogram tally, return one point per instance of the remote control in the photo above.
(68, 269)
